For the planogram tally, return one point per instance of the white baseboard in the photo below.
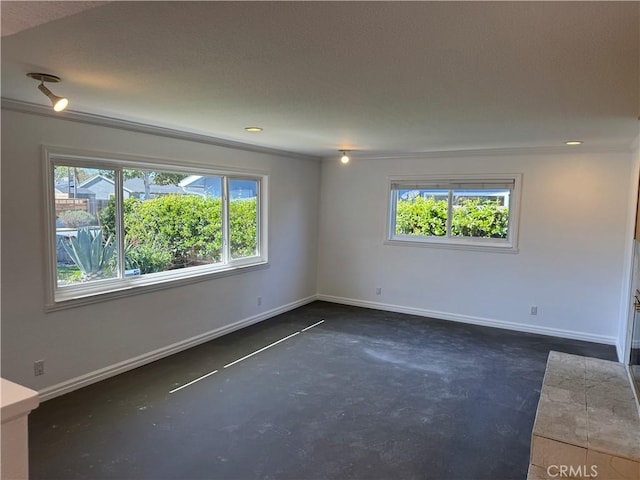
(487, 322)
(126, 365)
(121, 367)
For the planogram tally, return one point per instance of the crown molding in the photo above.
(555, 150)
(92, 119)
(103, 121)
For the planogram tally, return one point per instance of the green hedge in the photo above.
(243, 225)
(421, 216)
(190, 227)
(176, 231)
(471, 218)
(474, 218)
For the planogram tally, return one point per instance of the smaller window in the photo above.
(455, 211)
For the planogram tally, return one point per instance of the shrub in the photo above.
(147, 258)
(243, 225)
(76, 218)
(107, 215)
(186, 227)
(471, 218)
(480, 219)
(190, 227)
(422, 216)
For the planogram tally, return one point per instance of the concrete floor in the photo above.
(366, 394)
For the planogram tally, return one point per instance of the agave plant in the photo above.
(90, 254)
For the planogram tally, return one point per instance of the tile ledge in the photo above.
(576, 370)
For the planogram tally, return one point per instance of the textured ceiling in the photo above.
(18, 16)
(379, 77)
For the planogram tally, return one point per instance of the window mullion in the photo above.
(393, 209)
(449, 212)
(258, 219)
(226, 249)
(119, 220)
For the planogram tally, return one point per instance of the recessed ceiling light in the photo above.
(253, 129)
(573, 142)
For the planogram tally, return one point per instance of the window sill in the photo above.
(463, 245)
(74, 298)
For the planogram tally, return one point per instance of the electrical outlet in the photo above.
(534, 310)
(38, 368)
(259, 301)
(378, 291)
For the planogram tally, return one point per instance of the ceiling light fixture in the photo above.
(573, 142)
(59, 103)
(345, 158)
(253, 129)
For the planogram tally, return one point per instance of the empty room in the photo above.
(320, 240)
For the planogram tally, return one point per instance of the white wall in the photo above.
(571, 262)
(78, 341)
(573, 229)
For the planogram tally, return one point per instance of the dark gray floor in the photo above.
(367, 394)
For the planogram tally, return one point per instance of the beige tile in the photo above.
(565, 380)
(606, 382)
(605, 374)
(546, 452)
(610, 467)
(565, 395)
(597, 365)
(605, 411)
(614, 433)
(605, 392)
(537, 473)
(563, 363)
(562, 422)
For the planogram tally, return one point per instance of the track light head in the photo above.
(58, 103)
(345, 158)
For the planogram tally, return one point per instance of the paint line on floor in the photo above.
(311, 326)
(261, 350)
(193, 381)
(248, 356)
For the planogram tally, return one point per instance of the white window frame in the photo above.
(60, 297)
(507, 245)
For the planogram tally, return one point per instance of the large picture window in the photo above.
(455, 211)
(116, 224)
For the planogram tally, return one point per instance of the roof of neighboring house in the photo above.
(63, 188)
(95, 179)
(136, 185)
(89, 182)
(133, 185)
